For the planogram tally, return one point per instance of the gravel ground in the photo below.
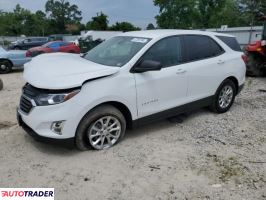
(199, 156)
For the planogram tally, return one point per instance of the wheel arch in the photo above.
(235, 81)
(121, 107)
(7, 59)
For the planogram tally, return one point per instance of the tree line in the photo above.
(62, 17)
(202, 14)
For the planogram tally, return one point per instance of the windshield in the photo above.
(116, 51)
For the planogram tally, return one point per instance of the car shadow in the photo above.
(160, 125)
(16, 70)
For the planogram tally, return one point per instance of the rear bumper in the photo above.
(69, 142)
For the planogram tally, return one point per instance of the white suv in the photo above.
(134, 78)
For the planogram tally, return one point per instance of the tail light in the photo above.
(28, 54)
(245, 58)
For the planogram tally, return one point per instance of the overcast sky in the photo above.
(138, 12)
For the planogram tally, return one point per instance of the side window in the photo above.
(231, 42)
(166, 51)
(54, 45)
(62, 44)
(27, 41)
(200, 47)
(38, 39)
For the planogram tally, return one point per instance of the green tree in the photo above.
(42, 22)
(99, 22)
(124, 26)
(150, 26)
(252, 10)
(62, 13)
(207, 10)
(203, 13)
(229, 15)
(176, 13)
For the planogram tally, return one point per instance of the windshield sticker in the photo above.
(140, 40)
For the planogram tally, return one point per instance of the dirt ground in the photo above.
(199, 156)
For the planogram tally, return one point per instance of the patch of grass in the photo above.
(249, 82)
(228, 168)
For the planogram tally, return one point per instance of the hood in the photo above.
(63, 71)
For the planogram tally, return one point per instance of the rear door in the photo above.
(165, 89)
(65, 47)
(55, 46)
(205, 66)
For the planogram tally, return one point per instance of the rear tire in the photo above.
(5, 66)
(224, 97)
(104, 124)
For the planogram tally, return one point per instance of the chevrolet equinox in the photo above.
(128, 80)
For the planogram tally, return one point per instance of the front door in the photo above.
(165, 89)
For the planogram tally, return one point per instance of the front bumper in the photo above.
(69, 142)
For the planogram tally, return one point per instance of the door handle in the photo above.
(221, 62)
(181, 71)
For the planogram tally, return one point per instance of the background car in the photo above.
(11, 59)
(52, 47)
(28, 43)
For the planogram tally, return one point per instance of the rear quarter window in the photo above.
(199, 47)
(230, 42)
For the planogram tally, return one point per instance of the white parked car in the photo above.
(131, 79)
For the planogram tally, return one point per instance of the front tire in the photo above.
(102, 128)
(224, 97)
(5, 67)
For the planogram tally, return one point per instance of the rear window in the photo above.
(200, 47)
(231, 42)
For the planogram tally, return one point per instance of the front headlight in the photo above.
(52, 99)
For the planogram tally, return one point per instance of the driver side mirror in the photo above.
(147, 65)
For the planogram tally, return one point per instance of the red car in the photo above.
(52, 47)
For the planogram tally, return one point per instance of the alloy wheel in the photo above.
(226, 96)
(104, 132)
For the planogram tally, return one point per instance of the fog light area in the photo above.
(57, 127)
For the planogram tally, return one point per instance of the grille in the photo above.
(29, 92)
(25, 104)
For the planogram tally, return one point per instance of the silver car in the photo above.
(12, 59)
